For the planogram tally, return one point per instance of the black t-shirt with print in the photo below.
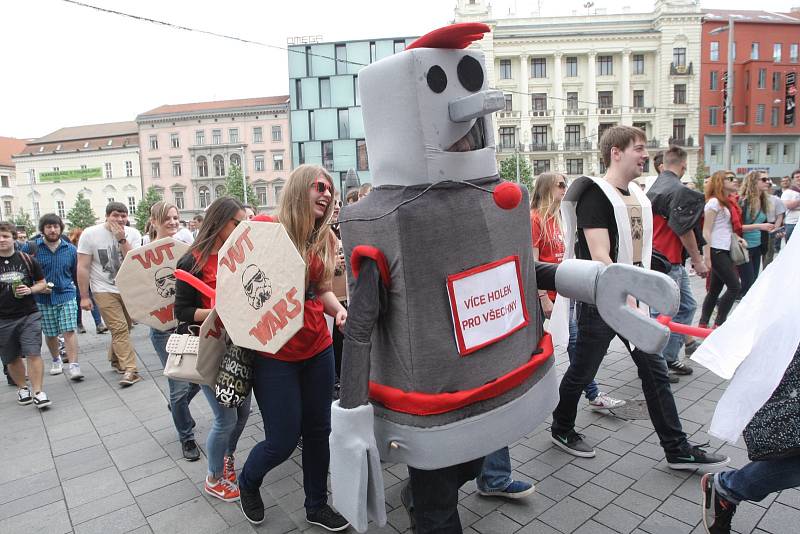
(10, 268)
(594, 210)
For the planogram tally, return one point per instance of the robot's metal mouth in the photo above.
(474, 139)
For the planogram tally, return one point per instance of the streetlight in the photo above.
(244, 175)
(726, 150)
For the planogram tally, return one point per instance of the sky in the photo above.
(66, 65)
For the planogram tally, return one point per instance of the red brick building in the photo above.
(766, 55)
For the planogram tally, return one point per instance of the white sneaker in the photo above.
(74, 372)
(40, 400)
(57, 367)
(604, 402)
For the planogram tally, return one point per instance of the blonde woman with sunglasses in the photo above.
(754, 201)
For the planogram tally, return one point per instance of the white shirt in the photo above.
(722, 229)
(101, 244)
(184, 235)
(776, 208)
(792, 216)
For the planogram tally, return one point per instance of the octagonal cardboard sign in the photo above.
(146, 281)
(260, 286)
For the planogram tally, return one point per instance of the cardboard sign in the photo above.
(260, 286)
(487, 303)
(213, 343)
(146, 282)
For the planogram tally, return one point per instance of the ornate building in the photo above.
(8, 147)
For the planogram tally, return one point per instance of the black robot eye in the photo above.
(470, 73)
(437, 79)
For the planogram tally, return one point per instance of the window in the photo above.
(539, 136)
(572, 67)
(298, 93)
(752, 152)
(776, 52)
(679, 130)
(638, 98)
(325, 92)
(679, 57)
(793, 52)
(277, 162)
(538, 67)
(259, 163)
(713, 80)
(327, 155)
(277, 136)
(772, 153)
(4, 181)
(373, 51)
(776, 81)
(110, 200)
(362, 160)
(236, 160)
(713, 116)
(775, 116)
(341, 59)
(129, 168)
(155, 169)
(714, 55)
(540, 166)
(747, 79)
(754, 51)
(399, 46)
(679, 93)
(762, 78)
(216, 137)
(539, 101)
(715, 153)
(219, 165)
(36, 211)
(178, 199)
(205, 197)
(344, 124)
(641, 125)
(301, 153)
(507, 101)
(55, 169)
(199, 137)
(505, 69)
(355, 91)
(278, 190)
(605, 65)
(261, 194)
(219, 191)
(507, 137)
(788, 153)
(638, 63)
(572, 100)
(202, 167)
(258, 135)
(176, 168)
(60, 209)
(602, 127)
(736, 153)
(8, 210)
(153, 142)
(109, 174)
(174, 140)
(605, 99)
(308, 62)
(233, 135)
(572, 135)
(574, 166)
(760, 111)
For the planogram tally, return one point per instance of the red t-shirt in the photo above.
(666, 241)
(549, 243)
(208, 275)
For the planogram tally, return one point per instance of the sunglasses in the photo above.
(765, 179)
(561, 185)
(731, 178)
(321, 185)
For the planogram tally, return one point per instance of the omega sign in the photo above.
(303, 40)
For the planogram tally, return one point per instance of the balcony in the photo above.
(574, 112)
(510, 148)
(689, 141)
(681, 70)
(541, 113)
(543, 147)
(577, 145)
(609, 111)
(643, 111)
(513, 114)
(653, 143)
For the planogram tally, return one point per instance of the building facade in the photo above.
(8, 147)
(327, 127)
(100, 160)
(188, 149)
(566, 79)
(766, 63)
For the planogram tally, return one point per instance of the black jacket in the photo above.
(680, 206)
(187, 298)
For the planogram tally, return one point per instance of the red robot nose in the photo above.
(507, 195)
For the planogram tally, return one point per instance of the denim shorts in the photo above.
(20, 337)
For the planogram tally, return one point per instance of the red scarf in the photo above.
(736, 213)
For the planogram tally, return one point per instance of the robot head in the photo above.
(256, 285)
(165, 282)
(427, 110)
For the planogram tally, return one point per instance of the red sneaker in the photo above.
(223, 490)
(229, 470)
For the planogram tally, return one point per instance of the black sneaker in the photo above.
(717, 511)
(695, 458)
(679, 368)
(691, 347)
(190, 450)
(327, 519)
(300, 443)
(573, 443)
(252, 505)
(24, 397)
(673, 379)
(408, 504)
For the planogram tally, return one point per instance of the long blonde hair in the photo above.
(312, 237)
(756, 200)
(158, 214)
(546, 206)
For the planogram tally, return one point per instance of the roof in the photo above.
(90, 131)
(217, 105)
(753, 17)
(84, 139)
(8, 147)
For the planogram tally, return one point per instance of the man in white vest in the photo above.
(613, 222)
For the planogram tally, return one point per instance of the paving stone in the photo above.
(613, 481)
(92, 486)
(17, 489)
(633, 465)
(76, 443)
(601, 461)
(681, 509)
(568, 514)
(658, 523)
(496, 523)
(593, 527)
(137, 454)
(573, 475)
(594, 495)
(657, 484)
(523, 511)
(167, 497)
(155, 481)
(25, 465)
(31, 502)
(119, 521)
(789, 497)
(148, 469)
(636, 502)
(537, 527)
(777, 518)
(101, 506)
(83, 461)
(51, 518)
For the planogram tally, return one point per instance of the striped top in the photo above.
(59, 267)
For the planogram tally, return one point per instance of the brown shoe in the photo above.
(130, 378)
(119, 370)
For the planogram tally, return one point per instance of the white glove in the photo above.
(356, 476)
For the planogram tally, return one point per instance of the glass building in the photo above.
(325, 110)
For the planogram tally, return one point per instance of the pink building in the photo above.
(187, 150)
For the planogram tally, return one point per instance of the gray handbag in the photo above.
(182, 354)
(739, 254)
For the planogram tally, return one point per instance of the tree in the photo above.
(701, 173)
(81, 215)
(233, 186)
(23, 219)
(151, 196)
(508, 170)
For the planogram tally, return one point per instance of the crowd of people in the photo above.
(48, 280)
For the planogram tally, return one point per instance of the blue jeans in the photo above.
(295, 400)
(95, 310)
(591, 390)
(181, 393)
(434, 495)
(748, 272)
(685, 312)
(789, 230)
(756, 480)
(225, 430)
(594, 337)
(495, 472)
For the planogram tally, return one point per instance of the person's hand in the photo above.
(116, 229)
(547, 305)
(700, 268)
(766, 227)
(742, 241)
(707, 262)
(86, 303)
(46, 290)
(23, 290)
(341, 318)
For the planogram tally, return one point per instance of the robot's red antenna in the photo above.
(454, 36)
